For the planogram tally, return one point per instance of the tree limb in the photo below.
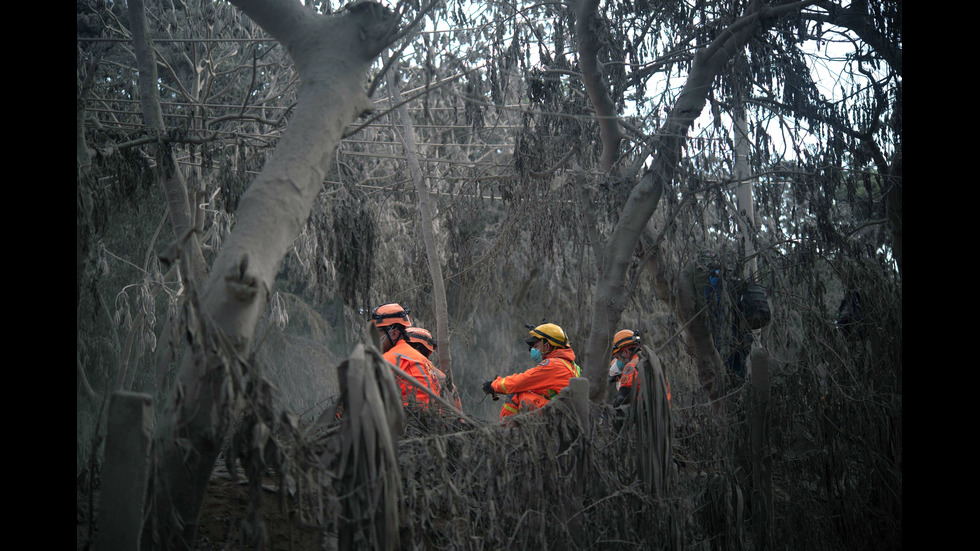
(586, 17)
(858, 20)
(170, 176)
(427, 212)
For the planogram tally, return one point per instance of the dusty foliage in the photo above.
(827, 475)
(370, 474)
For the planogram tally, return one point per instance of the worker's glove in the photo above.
(488, 388)
(621, 396)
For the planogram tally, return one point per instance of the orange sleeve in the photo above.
(544, 376)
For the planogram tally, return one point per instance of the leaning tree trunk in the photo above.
(679, 292)
(610, 299)
(427, 212)
(745, 217)
(893, 205)
(332, 54)
(171, 179)
(586, 27)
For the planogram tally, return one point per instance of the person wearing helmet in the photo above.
(555, 365)
(625, 361)
(421, 340)
(625, 357)
(392, 321)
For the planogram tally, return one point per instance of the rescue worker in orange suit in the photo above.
(624, 366)
(551, 350)
(392, 321)
(421, 340)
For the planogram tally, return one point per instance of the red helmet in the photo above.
(624, 339)
(390, 314)
(420, 336)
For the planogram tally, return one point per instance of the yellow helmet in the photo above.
(625, 338)
(549, 332)
(421, 336)
(390, 314)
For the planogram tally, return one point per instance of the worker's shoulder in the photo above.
(407, 354)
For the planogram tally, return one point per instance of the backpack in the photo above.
(850, 315)
(752, 305)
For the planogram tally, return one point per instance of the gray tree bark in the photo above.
(677, 290)
(427, 212)
(171, 179)
(745, 217)
(586, 16)
(129, 429)
(332, 54)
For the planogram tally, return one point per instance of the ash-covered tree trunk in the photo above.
(332, 54)
(665, 148)
(427, 212)
(586, 16)
(678, 291)
(745, 217)
(171, 179)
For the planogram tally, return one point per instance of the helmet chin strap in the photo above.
(391, 341)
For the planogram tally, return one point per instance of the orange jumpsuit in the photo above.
(533, 388)
(409, 360)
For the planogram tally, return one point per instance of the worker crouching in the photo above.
(392, 321)
(555, 365)
(421, 340)
(624, 368)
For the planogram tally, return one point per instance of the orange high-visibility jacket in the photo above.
(631, 377)
(409, 360)
(533, 388)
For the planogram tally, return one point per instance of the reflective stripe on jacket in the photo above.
(533, 388)
(409, 360)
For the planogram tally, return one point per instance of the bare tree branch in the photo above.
(587, 17)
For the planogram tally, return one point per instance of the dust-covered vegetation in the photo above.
(807, 457)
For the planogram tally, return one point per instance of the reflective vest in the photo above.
(409, 360)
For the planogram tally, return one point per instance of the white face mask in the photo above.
(616, 367)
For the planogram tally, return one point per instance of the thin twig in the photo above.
(408, 99)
